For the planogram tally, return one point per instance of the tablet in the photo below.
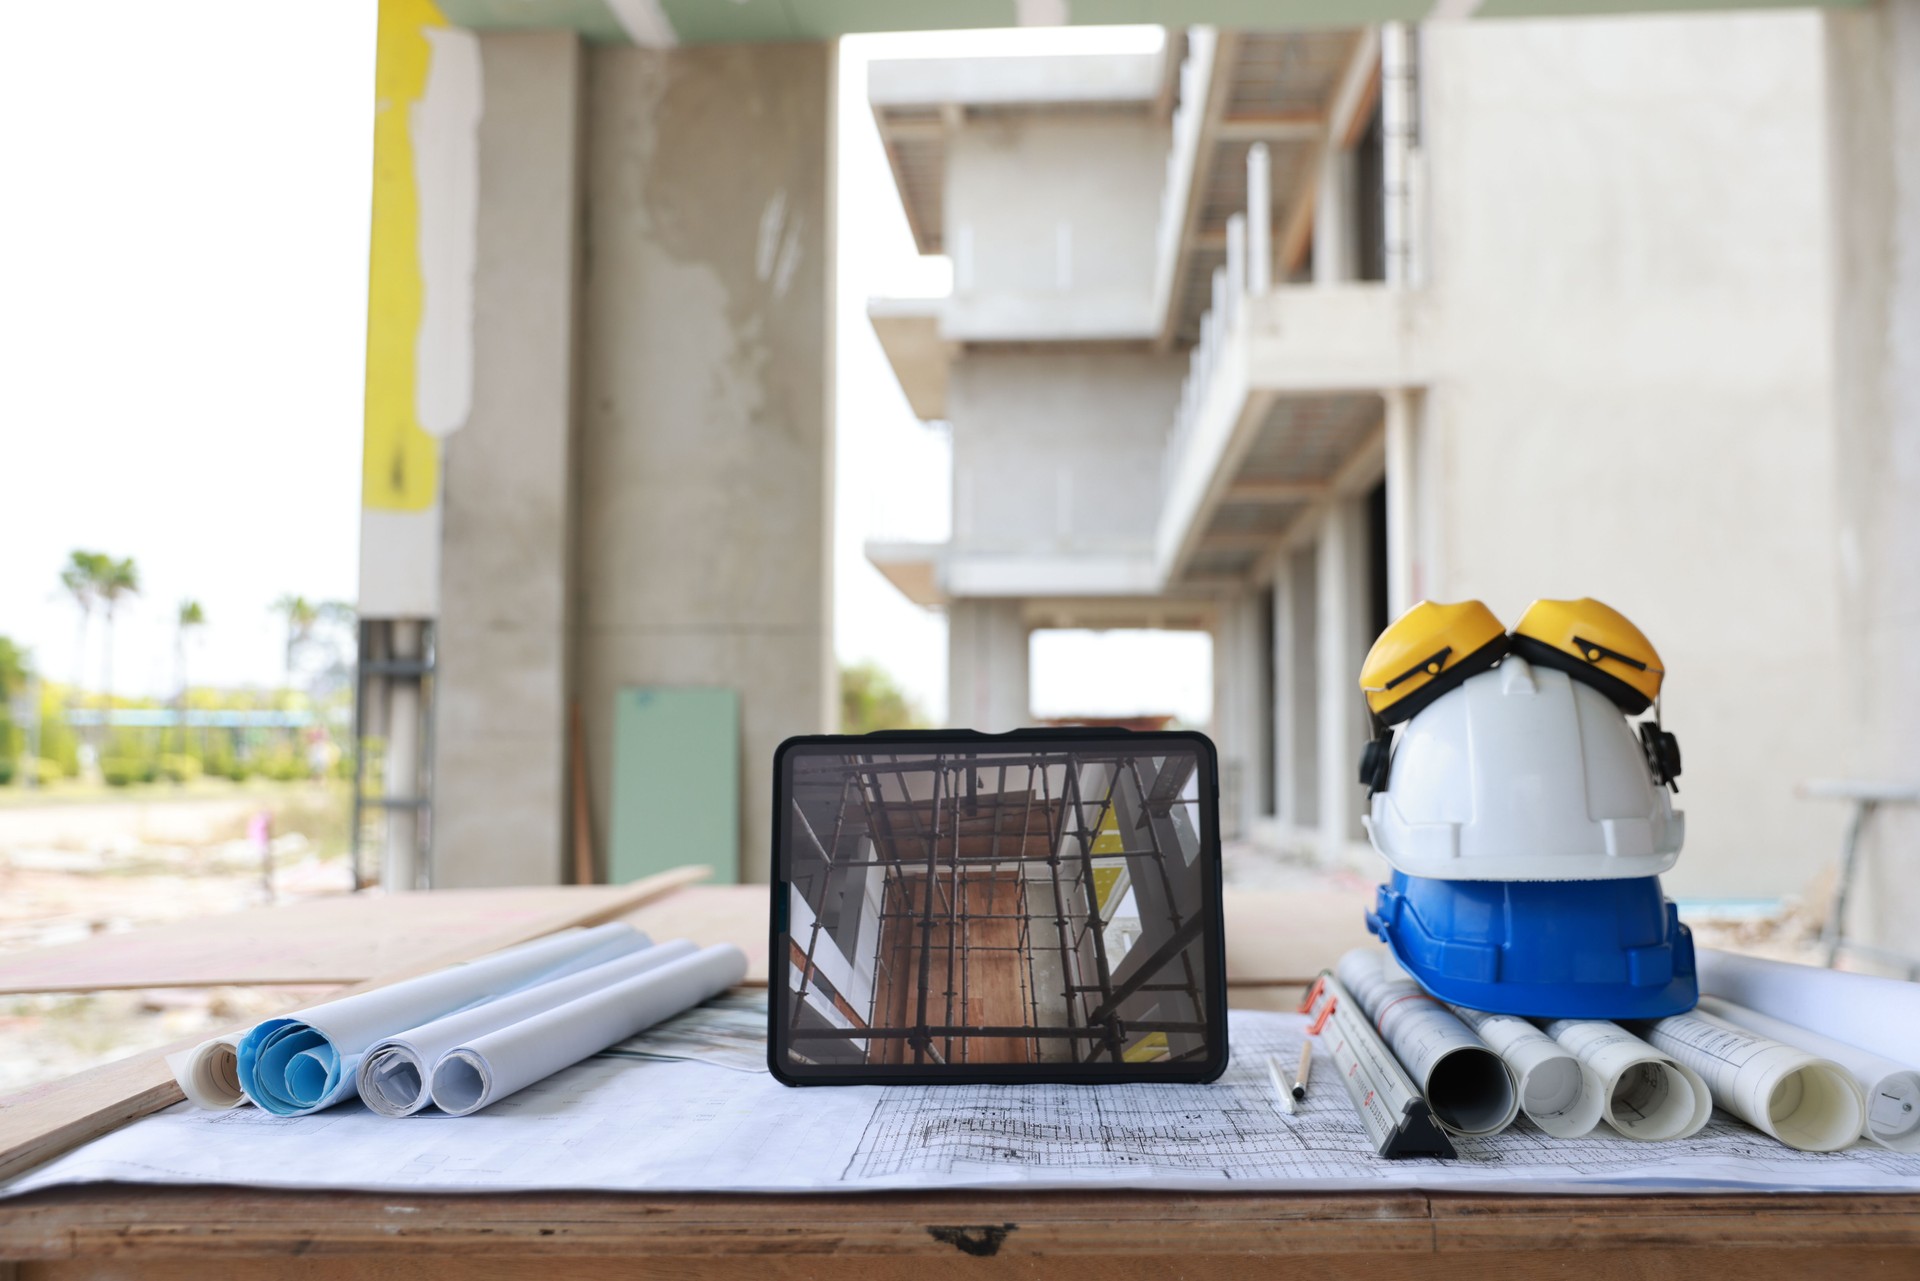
(956, 907)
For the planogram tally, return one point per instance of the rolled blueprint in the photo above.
(395, 1076)
(1892, 1091)
(1469, 1089)
(1558, 1092)
(489, 1068)
(306, 1061)
(1881, 1015)
(1807, 1103)
(1645, 1094)
(209, 1073)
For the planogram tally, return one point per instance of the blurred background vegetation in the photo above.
(77, 737)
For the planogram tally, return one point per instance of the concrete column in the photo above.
(1236, 265)
(1333, 217)
(706, 441)
(1300, 728)
(987, 666)
(1401, 500)
(502, 681)
(1236, 712)
(399, 718)
(1259, 220)
(1399, 123)
(1339, 579)
(1285, 803)
(1873, 108)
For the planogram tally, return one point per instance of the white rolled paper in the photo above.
(1892, 1090)
(1809, 1104)
(1876, 1014)
(307, 1061)
(1558, 1092)
(489, 1068)
(1644, 1093)
(209, 1073)
(394, 1078)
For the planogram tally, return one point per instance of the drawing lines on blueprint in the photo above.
(1234, 1131)
(1230, 1130)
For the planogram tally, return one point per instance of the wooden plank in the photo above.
(999, 1233)
(1484, 1222)
(676, 782)
(42, 1122)
(983, 951)
(155, 1223)
(330, 941)
(710, 914)
(1175, 1260)
(1283, 938)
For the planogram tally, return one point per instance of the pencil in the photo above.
(1281, 1089)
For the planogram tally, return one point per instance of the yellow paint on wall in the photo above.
(400, 462)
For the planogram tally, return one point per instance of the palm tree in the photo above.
(81, 577)
(191, 617)
(117, 578)
(301, 615)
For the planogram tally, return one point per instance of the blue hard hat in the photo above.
(1544, 949)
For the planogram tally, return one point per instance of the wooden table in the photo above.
(129, 1231)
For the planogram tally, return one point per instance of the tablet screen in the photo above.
(997, 908)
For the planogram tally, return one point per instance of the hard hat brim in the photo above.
(1541, 949)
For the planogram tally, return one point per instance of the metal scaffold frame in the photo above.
(926, 888)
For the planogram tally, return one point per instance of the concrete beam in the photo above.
(909, 332)
(1219, 88)
(1277, 491)
(1220, 540)
(1293, 127)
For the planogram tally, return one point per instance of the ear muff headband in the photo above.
(1449, 677)
(1626, 697)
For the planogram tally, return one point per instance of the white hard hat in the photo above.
(1522, 774)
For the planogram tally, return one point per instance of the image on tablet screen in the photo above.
(1001, 906)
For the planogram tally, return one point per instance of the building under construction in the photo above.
(1005, 907)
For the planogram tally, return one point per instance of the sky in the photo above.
(182, 329)
(183, 266)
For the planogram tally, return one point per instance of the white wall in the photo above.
(1059, 451)
(1060, 205)
(1873, 74)
(1628, 311)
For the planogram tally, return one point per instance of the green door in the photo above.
(676, 782)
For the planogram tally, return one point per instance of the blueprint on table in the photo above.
(673, 1110)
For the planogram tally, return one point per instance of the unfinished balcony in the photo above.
(1286, 408)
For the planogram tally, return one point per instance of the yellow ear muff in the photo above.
(1594, 643)
(1427, 651)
